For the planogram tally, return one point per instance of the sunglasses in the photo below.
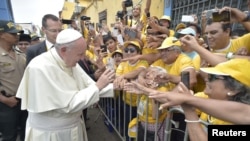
(131, 50)
(212, 77)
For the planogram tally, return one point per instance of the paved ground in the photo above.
(98, 130)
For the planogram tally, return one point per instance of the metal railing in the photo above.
(114, 110)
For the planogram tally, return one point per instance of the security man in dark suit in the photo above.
(87, 66)
(51, 26)
(12, 66)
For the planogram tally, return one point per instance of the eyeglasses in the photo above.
(131, 50)
(212, 77)
(54, 30)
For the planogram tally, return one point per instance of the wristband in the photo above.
(229, 55)
(192, 121)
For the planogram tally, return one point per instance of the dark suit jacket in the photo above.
(90, 71)
(35, 50)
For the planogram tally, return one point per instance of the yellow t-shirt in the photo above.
(171, 33)
(207, 118)
(182, 62)
(195, 57)
(85, 33)
(124, 68)
(236, 44)
(143, 19)
(152, 111)
(200, 85)
(145, 49)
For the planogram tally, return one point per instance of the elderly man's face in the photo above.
(217, 38)
(169, 55)
(73, 54)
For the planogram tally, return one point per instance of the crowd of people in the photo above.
(47, 85)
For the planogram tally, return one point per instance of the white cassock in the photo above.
(55, 96)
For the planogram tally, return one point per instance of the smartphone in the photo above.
(209, 13)
(120, 39)
(224, 16)
(90, 27)
(187, 18)
(115, 32)
(104, 48)
(185, 78)
(130, 33)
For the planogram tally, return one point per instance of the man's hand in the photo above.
(10, 101)
(107, 77)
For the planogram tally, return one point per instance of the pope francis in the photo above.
(55, 90)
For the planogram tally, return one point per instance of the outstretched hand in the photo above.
(173, 98)
(107, 77)
(135, 87)
(132, 59)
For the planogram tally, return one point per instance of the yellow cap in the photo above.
(116, 51)
(169, 42)
(132, 130)
(180, 26)
(236, 68)
(164, 17)
(136, 43)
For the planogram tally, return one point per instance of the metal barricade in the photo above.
(170, 122)
(115, 111)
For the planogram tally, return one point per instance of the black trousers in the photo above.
(9, 117)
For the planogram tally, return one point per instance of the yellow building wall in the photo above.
(94, 7)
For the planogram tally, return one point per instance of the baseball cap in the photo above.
(67, 36)
(185, 31)
(236, 68)
(169, 42)
(164, 17)
(180, 26)
(9, 27)
(118, 51)
(34, 36)
(135, 43)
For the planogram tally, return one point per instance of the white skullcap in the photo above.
(67, 36)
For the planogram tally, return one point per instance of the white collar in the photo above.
(224, 49)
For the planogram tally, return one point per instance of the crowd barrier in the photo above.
(114, 111)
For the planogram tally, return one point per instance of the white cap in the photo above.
(188, 31)
(67, 36)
